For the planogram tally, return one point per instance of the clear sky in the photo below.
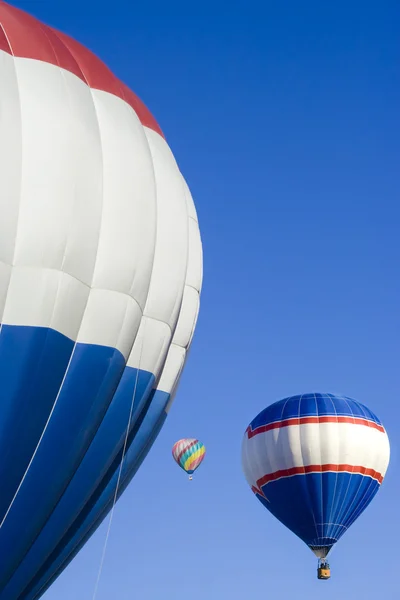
(284, 119)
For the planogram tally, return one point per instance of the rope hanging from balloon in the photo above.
(110, 520)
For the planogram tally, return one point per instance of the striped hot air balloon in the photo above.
(189, 454)
(316, 461)
(100, 278)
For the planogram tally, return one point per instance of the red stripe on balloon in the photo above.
(24, 36)
(353, 470)
(309, 420)
(186, 448)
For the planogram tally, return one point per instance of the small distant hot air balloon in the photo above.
(189, 454)
(316, 461)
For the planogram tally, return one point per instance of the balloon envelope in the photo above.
(316, 461)
(188, 453)
(100, 274)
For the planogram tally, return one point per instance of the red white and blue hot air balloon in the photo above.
(316, 461)
(100, 275)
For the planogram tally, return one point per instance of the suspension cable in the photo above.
(96, 587)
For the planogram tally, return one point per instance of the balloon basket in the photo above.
(324, 570)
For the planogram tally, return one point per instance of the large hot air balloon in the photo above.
(316, 461)
(100, 275)
(188, 453)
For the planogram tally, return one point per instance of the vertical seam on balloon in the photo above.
(43, 29)
(130, 287)
(331, 515)
(8, 39)
(101, 220)
(129, 110)
(135, 466)
(20, 185)
(61, 272)
(321, 474)
(335, 510)
(40, 439)
(156, 212)
(179, 301)
(67, 90)
(193, 326)
(28, 549)
(174, 387)
(338, 508)
(347, 514)
(339, 518)
(245, 461)
(201, 257)
(305, 477)
(21, 171)
(93, 100)
(156, 215)
(367, 497)
(284, 404)
(185, 348)
(68, 49)
(172, 329)
(258, 461)
(277, 443)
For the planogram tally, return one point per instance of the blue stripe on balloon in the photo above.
(33, 361)
(87, 424)
(140, 444)
(326, 503)
(311, 405)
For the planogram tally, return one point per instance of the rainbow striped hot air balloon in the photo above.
(189, 454)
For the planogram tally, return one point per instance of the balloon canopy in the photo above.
(188, 453)
(100, 276)
(316, 461)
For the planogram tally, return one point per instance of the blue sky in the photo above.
(284, 118)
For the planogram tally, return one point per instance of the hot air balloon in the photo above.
(100, 275)
(316, 461)
(188, 453)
